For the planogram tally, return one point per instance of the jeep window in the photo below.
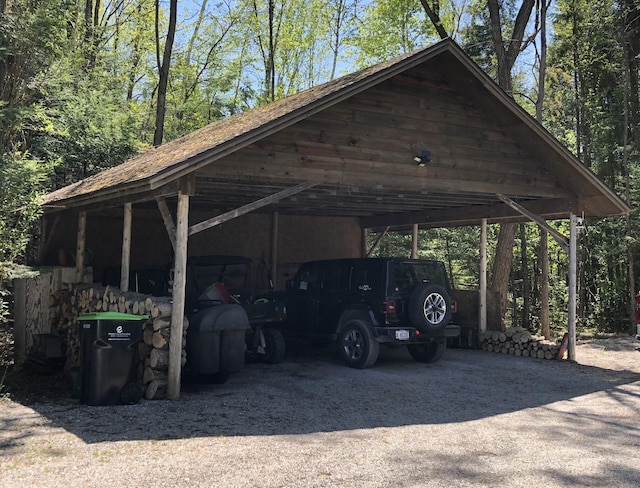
(366, 276)
(308, 277)
(335, 277)
(405, 275)
(403, 279)
(433, 272)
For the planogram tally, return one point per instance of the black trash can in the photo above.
(108, 358)
(216, 341)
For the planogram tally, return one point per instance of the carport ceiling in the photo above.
(355, 139)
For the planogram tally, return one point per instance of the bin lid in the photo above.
(111, 316)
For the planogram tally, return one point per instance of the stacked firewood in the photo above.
(519, 342)
(153, 350)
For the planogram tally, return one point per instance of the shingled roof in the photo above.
(237, 130)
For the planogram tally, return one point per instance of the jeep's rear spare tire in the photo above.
(358, 348)
(429, 307)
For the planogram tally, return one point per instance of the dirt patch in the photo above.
(618, 353)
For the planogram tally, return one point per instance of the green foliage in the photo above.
(21, 179)
(389, 28)
(458, 248)
(588, 98)
(83, 123)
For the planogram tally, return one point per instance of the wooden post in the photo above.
(482, 309)
(573, 273)
(414, 242)
(177, 309)
(274, 249)
(82, 228)
(126, 248)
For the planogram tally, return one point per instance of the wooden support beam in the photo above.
(80, 243)
(573, 287)
(126, 248)
(363, 242)
(263, 202)
(414, 242)
(470, 214)
(559, 238)
(167, 218)
(375, 244)
(482, 310)
(178, 298)
(274, 250)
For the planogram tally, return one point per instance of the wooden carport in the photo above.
(424, 139)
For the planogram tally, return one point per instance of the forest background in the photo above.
(87, 84)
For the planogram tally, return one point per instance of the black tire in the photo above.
(428, 352)
(358, 348)
(274, 346)
(429, 307)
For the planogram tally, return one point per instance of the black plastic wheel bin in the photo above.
(216, 340)
(109, 357)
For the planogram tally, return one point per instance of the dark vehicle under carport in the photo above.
(226, 320)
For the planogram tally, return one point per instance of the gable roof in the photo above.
(148, 174)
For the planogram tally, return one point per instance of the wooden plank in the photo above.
(263, 202)
(167, 218)
(453, 152)
(126, 248)
(372, 174)
(274, 250)
(573, 285)
(482, 311)
(471, 215)
(392, 164)
(80, 243)
(178, 298)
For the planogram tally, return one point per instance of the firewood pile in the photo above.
(519, 342)
(153, 349)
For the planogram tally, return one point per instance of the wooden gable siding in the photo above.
(362, 150)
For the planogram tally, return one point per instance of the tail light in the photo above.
(389, 307)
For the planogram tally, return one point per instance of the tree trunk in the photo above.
(543, 248)
(433, 12)
(163, 68)
(506, 55)
(502, 267)
(630, 97)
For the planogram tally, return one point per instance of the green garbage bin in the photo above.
(108, 358)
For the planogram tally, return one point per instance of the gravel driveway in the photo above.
(472, 419)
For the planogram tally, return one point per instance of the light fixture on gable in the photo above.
(423, 158)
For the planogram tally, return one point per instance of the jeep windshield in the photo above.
(405, 275)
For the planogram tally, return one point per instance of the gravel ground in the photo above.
(472, 419)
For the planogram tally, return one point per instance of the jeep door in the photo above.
(316, 298)
(303, 298)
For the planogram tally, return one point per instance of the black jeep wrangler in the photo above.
(362, 303)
